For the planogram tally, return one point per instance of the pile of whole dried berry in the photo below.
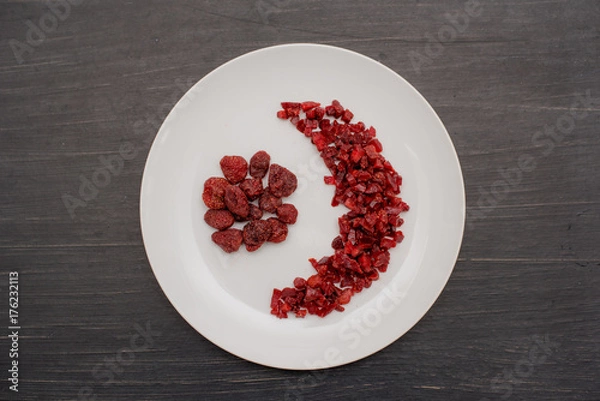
(230, 200)
(367, 184)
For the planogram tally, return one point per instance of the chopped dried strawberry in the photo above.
(347, 116)
(315, 114)
(219, 219)
(335, 109)
(290, 105)
(229, 240)
(214, 192)
(309, 105)
(299, 283)
(329, 180)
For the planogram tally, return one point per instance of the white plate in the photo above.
(232, 111)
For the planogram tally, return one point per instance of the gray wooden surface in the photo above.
(519, 318)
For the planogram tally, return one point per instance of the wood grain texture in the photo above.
(109, 73)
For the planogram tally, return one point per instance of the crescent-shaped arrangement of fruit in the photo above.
(365, 183)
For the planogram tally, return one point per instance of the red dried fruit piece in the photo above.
(300, 313)
(252, 187)
(315, 114)
(291, 109)
(259, 164)
(255, 213)
(337, 243)
(301, 125)
(287, 213)
(282, 114)
(252, 248)
(214, 191)
(256, 233)
(236, 201)
(309, 105)
(279, 230)
(229, 240)
(269, 202)
(347, 116)
(290, 105)
(235, 168)
(219, 219)
(282, 182)
(335, 109)
(299, 283)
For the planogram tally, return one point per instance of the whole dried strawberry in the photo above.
(214, 192)
(287, 213)
(256, 233)
(255, 212)
(268, 202)
(219, 219)
(235, 168)
(252, 187)
(279, 230)
(236, 201)
(282, 182)
(229, 240)
(259, 164)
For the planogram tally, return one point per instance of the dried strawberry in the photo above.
(299, 283)
(347, 116)
(282, 182)
(287, 213)
(252, 248)
(335, 109)
(256, 233)
(259, 164)
(309, 105)
(255, 212)
(236, 201)
(291, 105)
(316, 114)
(235, 168)
(229, 240)
(214, 191)
(219, 219)
(279, 230)
(252, 187)
(269, 202)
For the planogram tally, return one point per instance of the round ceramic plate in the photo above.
(232, 111)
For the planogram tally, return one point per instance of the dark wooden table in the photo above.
(517, 84)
